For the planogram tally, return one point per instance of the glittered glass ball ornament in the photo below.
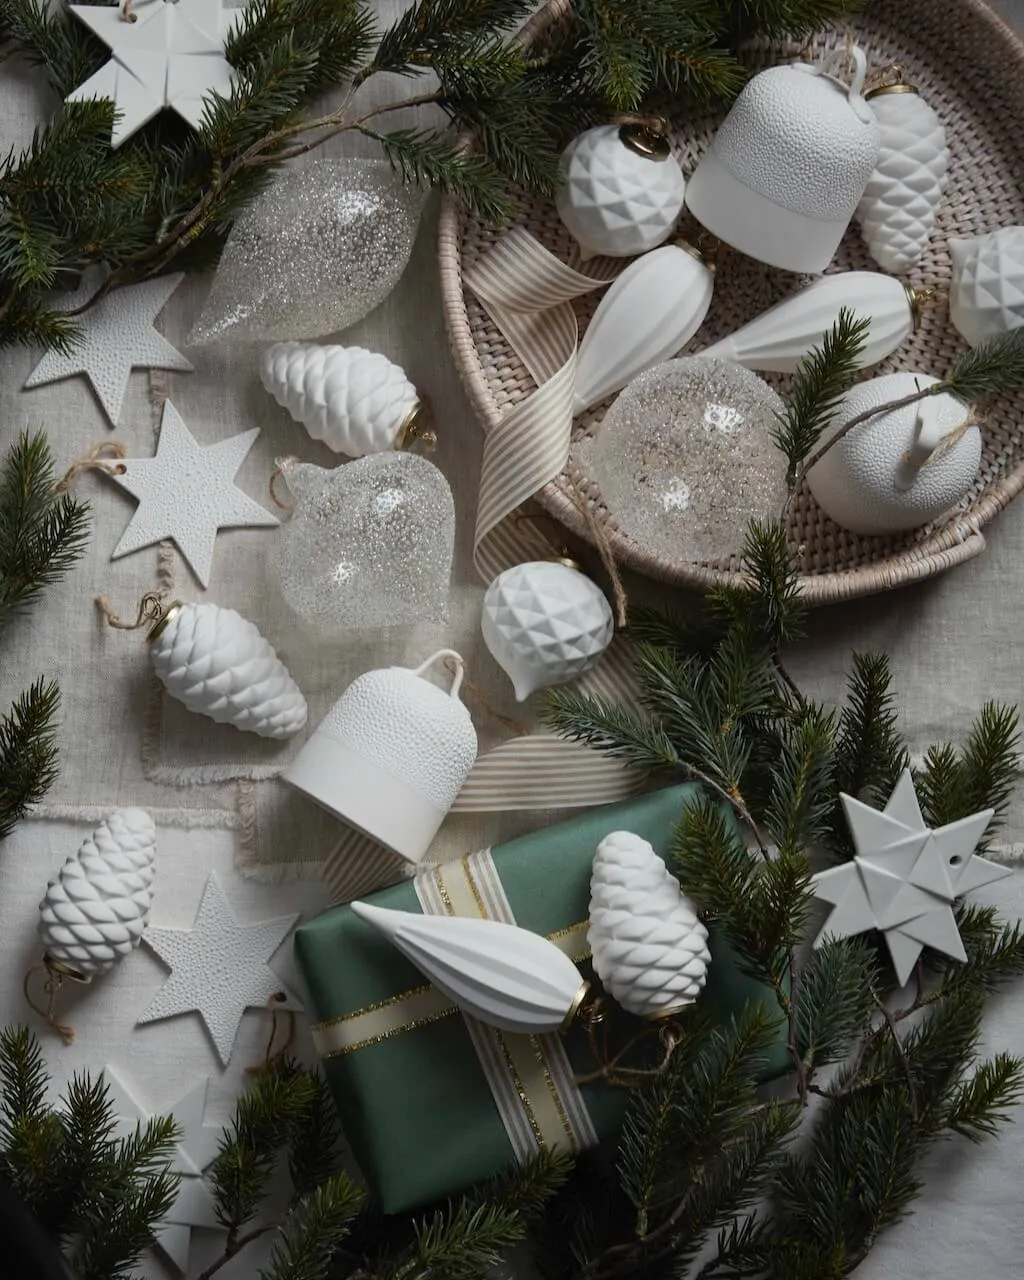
(369, 544)
(313, 254)
(684, 458)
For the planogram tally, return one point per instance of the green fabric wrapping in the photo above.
(416, 1109)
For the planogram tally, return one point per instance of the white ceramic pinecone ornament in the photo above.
(901, 201)
(545, 623)
(219, 665)
(355, 401)
(986, 297)
(97, 906)
(649, 948)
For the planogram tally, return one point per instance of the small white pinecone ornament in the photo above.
(649, 948)
(901, 202)
(355, 401)
(97, 906)
(219, 665)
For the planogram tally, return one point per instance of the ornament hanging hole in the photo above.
(956, 860)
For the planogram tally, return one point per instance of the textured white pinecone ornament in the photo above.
(97, 906)
(217, 663)
(649, 948)
(898, 211)
(355, 401)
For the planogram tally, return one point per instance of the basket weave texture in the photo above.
(970, 67)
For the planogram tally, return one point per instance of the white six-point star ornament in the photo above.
(165, 53)
(117, 336)
(219, 968)
(187, 492)
(905, 877)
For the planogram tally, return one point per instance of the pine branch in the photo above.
(340, 36)
(49, 36)
(611, 728)
(314, 1229)
(432, 29)
(980, 1105)
(803, 788)
(28, 752)
(432, 159)
(315, 1140)
(788, 17)
(770, 604)
(993, 367)
(835, 1005)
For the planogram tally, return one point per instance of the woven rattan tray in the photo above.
(970, 67)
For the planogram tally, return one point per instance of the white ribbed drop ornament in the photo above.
(649, 948)
(355, 401)
(901, 201)
(505, 976)
(97, 906)
(219, 665)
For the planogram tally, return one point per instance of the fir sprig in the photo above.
(315, 1228)
(28, 751)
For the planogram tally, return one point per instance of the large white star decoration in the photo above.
(187, 492)
(905, 877)
(169, 53)
(219, 968)
(117, 337)
(194, 1150)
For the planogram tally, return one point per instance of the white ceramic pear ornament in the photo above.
(903, 468)
(986, 297)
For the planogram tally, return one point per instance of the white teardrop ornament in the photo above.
(505, 976)
(986, 297)
(647, 316)
(781, 337)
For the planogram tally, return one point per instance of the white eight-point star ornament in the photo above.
(905, 877)
(187, 492)
(165, 53)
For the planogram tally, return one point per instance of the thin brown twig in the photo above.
(234, 1247)
(890, 1023)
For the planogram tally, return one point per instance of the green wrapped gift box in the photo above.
(432, 1102)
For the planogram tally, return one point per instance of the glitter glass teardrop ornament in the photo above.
(370, 543)
(505, 976)
(316, 252)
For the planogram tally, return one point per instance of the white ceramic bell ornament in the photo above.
(788, 167)
(648, 315)
(986, 297)
(903, 468)
(778, 339)
(622, 190)
(391, 755)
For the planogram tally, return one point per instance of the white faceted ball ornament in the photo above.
(649, 948)
(545, 623)
(97, 906)
(986, 297)
(355, 401)
(622, 190)
(901, 469)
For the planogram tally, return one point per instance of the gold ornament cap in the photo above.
(578, 1001)
(162, 617)
(898, 85)
(413, 429)
(647, 138)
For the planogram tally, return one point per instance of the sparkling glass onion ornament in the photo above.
(684, 458)
(777, 340)
(316, 252)
(901, 201)
(369, 544)
(505, 976)
(986, 297)
(545, 623)
(650, 312)
(649, 948)
(622, 190)
(355, 401)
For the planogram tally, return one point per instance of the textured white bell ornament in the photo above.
(545, 623)
(778, 339)
(786, 170)
(391, 755)
(986, 297)
(650, 312)
(900, 469)
(505, 976)
(622, 190)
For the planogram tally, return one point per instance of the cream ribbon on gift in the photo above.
(530, 1077)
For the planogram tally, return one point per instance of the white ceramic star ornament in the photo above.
(118, 336)
(905, 877)
(194, 1150)
(187, 492)
(219, 968)
(164, 53)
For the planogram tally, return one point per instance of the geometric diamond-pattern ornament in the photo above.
(905, 878)
(986, 297)
(545, 623)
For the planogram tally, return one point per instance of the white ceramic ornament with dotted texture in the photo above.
(219, 665)
(986, 297)
(649, 948)
(545, 623)
(391, 755)
(621, 190)
(787, 169)
(902, 468)
(355, 401)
